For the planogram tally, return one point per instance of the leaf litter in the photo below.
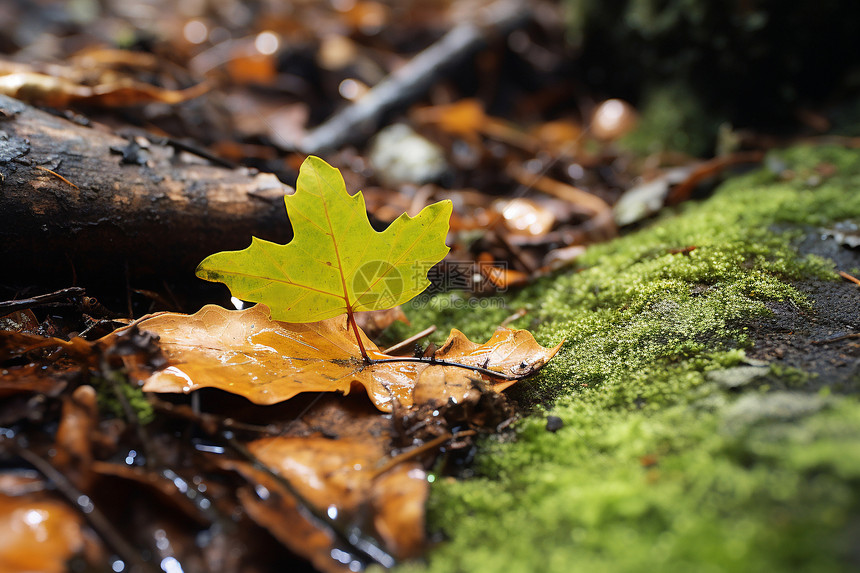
(339, 483)
(247, 353)
(433, 407)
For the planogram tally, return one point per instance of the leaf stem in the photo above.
(433, 360)
(350, 317)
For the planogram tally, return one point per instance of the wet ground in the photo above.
(823, 340)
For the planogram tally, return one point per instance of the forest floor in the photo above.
(701, 414)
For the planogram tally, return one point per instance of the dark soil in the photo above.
(824, 340)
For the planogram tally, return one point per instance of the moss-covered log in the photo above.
(705, 406)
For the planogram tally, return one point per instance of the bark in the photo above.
(97, 213)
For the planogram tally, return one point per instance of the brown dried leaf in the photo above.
(56, 361)
(42, 89)
(464, 118)
(46, 375)
(500, 277)
(247, 353)
(20, 321)
(75, 434)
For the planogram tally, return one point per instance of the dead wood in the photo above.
(361, 119)
(79, 201)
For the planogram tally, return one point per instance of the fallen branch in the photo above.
(72, 207)
(361, 119)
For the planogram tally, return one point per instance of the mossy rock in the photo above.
(655, 462)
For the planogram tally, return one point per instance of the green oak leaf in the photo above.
(336, 262)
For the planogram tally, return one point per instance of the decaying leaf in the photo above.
(55, 362)
(38, 534)
(20, 321)
(342, 477)
(74, 436)
(336, 263)
(337, 460)
(247, 353)
(42, 89)
(277, 511)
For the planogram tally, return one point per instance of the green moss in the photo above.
(658, 467)
(446, 311)
(745, 63)
(672, 118)
(109, 401)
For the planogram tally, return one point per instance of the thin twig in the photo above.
(42, 299)
(515, 316)
(391, 461)
(837, 338)
(209, 422)
(404, 344)
(413, 79)
(435, 361)
(848, 277)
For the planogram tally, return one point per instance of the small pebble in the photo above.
(554, 424)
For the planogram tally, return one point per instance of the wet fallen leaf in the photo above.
(561, 137)
(16, 483)
(247, 353)
(338, 476)
(341, 476)
(647, 198)
(74, 436)
(42, 89)
(336, 263)
(709, 169)
(38, 534)
(171, 489)
(274, 509)
(53, 362)
(563, 256)
(526, 216)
